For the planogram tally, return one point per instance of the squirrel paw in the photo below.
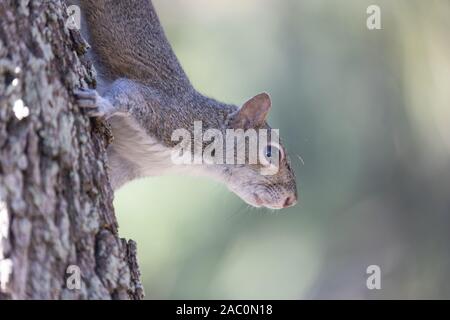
(96, 105)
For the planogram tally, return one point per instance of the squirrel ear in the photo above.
(253, 113)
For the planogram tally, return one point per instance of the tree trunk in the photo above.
(57, 222)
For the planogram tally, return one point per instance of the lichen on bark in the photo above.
(55, 198)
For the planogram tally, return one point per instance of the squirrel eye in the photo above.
(271, 151)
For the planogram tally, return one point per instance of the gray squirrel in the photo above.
(145, 95)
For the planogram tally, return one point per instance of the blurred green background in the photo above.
(367, 111)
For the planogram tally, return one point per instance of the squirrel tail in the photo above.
(128, 41)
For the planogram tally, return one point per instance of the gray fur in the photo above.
(146, 95)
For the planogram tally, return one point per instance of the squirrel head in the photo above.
(239, 149)
(269, 181)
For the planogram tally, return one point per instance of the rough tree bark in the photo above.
(55, 199)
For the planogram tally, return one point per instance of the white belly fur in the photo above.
(134, 153)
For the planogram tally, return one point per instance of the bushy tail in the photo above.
(128, 41)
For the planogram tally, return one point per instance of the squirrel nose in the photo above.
(290, 201)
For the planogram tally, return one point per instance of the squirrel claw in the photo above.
(91, 100)
(83, 93)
